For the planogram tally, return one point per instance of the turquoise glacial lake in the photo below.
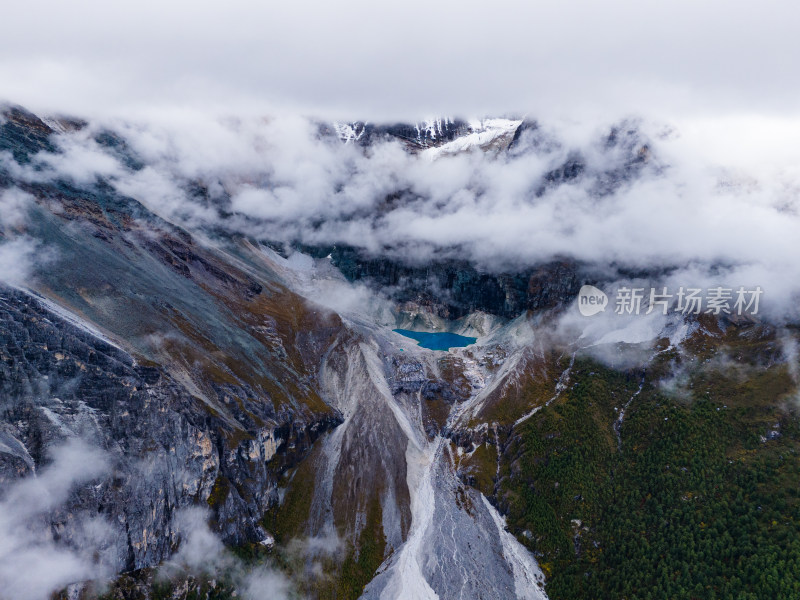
(437, 341)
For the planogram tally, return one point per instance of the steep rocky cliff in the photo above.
(168, 449)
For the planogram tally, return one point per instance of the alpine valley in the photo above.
(203, 395)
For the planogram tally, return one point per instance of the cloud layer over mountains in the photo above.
(634, 195)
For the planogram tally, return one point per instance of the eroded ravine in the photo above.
(457, 546)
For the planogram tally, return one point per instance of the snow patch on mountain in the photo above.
(432, 128)
(484, 133)
(349, 133)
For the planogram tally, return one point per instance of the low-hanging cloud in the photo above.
(33, 564)
(20, 253)
(201, 551)
(280, 179)
(17, 260)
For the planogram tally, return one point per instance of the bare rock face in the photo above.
(23, 133)
(453, 289)
(168, 450)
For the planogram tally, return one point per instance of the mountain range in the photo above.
(203, 395)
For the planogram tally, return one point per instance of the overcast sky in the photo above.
(386, 60)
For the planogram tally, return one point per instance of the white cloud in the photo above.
(329, 544)
(32, 564)
(14, 205)
(80, 160)
(201, 549)
(19, 253)
(684, 210)
(202, 552)
(17, 260)
(261, 583)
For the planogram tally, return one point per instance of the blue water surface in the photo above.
(437, 341)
